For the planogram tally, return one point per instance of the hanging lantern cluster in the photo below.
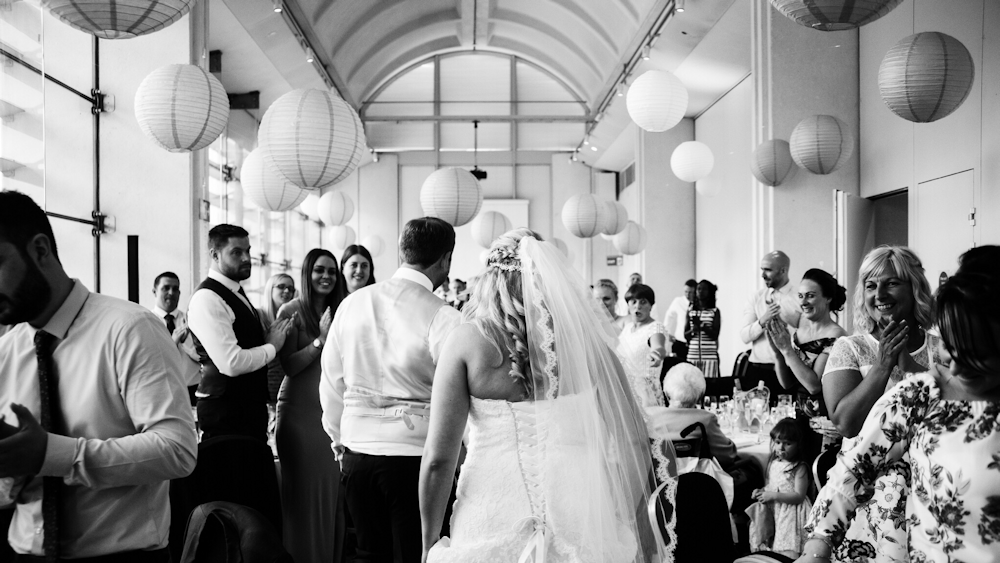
(771, 162)
(488, 226)
(335, 208)
(451, 194)
(615, 219)
(265, 188)
(692, 161)
(584, 215)
(821, 144)
(118, 19)
(182, 108)
(926, 76)
(834, 15)
(657, 101)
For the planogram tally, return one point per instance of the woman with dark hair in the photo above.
(312, 510)
(702, 330)
(357, 267)
(942, 426)
(643, 345)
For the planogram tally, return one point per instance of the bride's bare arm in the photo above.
(449, 413)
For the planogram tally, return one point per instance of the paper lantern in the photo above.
(487, 226)
(821, 144)
(484, 256)
(926, 76)
(558, 243)
(312, 138)
(692, 161)
(118, 19)
(657, 100)
(182, 108)
(771, 162)
(310, 206)
(265, 188)
(452, 194)
(374, 245)
(632, 239)
(341, 237)
(335, 208)
(834, 15)
(615, 218)
(584, 215)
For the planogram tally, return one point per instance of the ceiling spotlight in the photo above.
(645, 52)
(277, 6)
(573, 158)
(599, 116)
(593, 148)
(621, 89)
(374, 156)
(310, 56)
(586, 140)
(679, 6)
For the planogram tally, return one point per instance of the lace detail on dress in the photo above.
(662, 463)
(548, 345)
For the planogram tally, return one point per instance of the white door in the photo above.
(854, 235)
(942, 228)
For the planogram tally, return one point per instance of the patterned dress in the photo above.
(877, 532)
(633, 346)
(953, 447)
(788, 518)
(703, 352)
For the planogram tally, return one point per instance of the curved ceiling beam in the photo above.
(549, 31)
(413, 33)
(574, 7)
(546, 62)
(420, 53)
(372, 14)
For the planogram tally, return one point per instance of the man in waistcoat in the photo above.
(378, 367)
(232, 396)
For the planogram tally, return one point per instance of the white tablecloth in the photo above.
(748, 446)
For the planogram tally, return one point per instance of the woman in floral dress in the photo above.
(944, 426)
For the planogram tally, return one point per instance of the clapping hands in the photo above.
(777, 335)
(324, 324)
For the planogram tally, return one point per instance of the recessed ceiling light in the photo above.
(277, 6)
(593, 148)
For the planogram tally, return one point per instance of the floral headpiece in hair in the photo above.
(504, 258)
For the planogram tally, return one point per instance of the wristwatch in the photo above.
(318, 343)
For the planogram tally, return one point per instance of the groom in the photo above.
(378, 367)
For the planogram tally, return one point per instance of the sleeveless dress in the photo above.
(503, 502)
(788, 518)
(703, 352)
(633, 346)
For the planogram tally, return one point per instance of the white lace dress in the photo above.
(633, 345)
(503, 502)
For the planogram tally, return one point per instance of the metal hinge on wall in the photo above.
(972, 217)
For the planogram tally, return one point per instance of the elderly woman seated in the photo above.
(684, 386)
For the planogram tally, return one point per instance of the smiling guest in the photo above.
(312, 512)
(230, 339)
(167, 290)
(357, 267)
(642, 344)
(892, 310)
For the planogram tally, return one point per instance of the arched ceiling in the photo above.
(582, 42)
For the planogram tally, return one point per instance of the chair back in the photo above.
(225, 532)
(823, 463)
(703, 527)
(693, 447)
(741, 364)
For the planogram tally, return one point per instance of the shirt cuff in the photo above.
(269, 352)
(59, 455)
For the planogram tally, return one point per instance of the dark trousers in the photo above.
(224, 416)
(154, 556)
(383, 502)
(763, 372)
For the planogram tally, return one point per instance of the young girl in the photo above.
(787, 483)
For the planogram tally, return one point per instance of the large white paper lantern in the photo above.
(182, 108)
(488, 226)
(452, 194)
(821, 144)
(692, 161)
(118, 19)
(335, 208)
(341, 237)
(771, 162)
(310, 205)
(584, 215)
(265, 188)
(615, 218)
(632, 239)
(312, 137)
(558, 243)
(834, 15)
(374, 245)
(926, 76)
(657, 100)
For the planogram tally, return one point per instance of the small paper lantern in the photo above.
(310, 206)
(657, 101)
(335, 208)
(692, 161)
(834, 15)
(926, 76)
(558, 243)
(615, 218)
(374, 245)
(821, 144)
(452, 194)
(118, 19)
(584, 215)
(265, 188)
(341, 237)
(312, 138)
(487, 226)
(771, 162)
(632, 239)
(182, 108)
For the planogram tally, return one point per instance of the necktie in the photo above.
(170, 323)
(48, 389)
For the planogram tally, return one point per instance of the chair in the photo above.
(693, 447)
(741, 364)
(235, 469)
(822, 464)
(703, 527)
(225, 532)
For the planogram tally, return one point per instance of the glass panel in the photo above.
(460, 136)
(392, 137)
(400, 108)
(22, 100)
(477, 77)
(416, 85)
(475, 108)
(549, 136)
(534, 85)
(69, 152)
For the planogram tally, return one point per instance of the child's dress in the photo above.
(789, 519)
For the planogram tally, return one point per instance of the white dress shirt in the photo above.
(185, 344)
(752, 332)
(211, 319)
(677, 317)
(128, 418)
(378, 365)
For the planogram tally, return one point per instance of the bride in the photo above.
(558, 463)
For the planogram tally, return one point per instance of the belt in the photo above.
(403, 412)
